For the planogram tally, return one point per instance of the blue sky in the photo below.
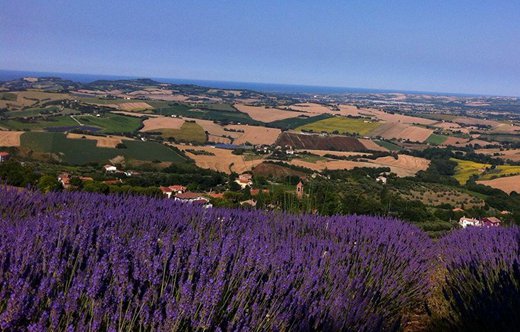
(446, 46)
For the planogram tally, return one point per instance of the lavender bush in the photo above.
(79, 261)
(482, 283)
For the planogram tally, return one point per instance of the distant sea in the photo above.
(7, 75)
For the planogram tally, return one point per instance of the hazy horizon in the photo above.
(462, 47)
(259, 86)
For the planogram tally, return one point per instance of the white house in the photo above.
(110, 168)
(465, 222)
(381, 179)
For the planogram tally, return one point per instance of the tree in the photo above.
(49, 183)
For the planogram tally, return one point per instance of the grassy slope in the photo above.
(342, 125)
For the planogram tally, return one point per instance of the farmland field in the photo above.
(101, 141)
(314, 142)
(207, 114)
(108, 123)
(254, 134)
(511, 154)
(112, 123)
(188, 132)
(436, 139)
(40, 124)
(388, 145)
(156, 123)
(506, 184)
(266, 114)
(292, 123)
(83, 151)
(466, 169)
(341, 125)
(221, 160)
(10, 138)
(402, 131)
(500, 171)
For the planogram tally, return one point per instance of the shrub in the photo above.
(482, 284)
(89, 261)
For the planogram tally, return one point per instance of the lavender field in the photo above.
(80, 261)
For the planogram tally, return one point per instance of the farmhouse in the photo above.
(4, 156)
(64, 179)
(172, 190)
(491, 222)
(110, 169)
(245, 180)
(465, 222)
(193, 198)
(484, 222)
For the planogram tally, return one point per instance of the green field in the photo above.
(388, 145)
(189, 132)
(8, 96)
(112, 123)
(466, 169)
(311, 158)
(79, 152)
(292, 123)
(436, 139)
(108, 123)
(208, 114)
(341, 125)
(39, 124)
(35, 112)
(219, 107)
(105, 101)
